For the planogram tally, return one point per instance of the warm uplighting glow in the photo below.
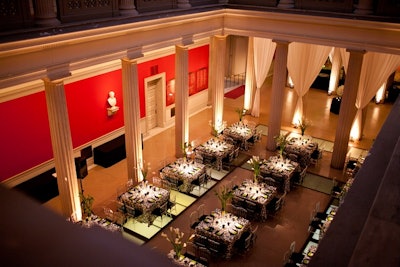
(290, 82)
(332, 82)
(247, 97)
(380, 95)
(355, 133)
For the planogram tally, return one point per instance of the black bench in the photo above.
(110, 153)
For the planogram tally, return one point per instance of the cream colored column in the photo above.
(277, 93)
(62, 149)
(250, 75)
(181, 98)
(127, 8)
(217, 75)
(347, 109)
(133, 141)
(335, 71)
(45, 15)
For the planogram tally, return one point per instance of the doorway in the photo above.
(155, 101)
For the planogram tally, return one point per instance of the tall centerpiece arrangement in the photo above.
(175, 237)
(303, 125)
(281, 142)
(224, 194)
(240, 112)
(255, 163)
(145, 170)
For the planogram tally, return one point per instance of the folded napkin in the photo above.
(219, 233)
(238, 226)
(232, 232)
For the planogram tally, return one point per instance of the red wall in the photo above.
(25, 135)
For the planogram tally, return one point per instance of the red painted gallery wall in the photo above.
(25, 135)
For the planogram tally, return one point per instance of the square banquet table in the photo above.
(185, 171)
(223, 227)
(145, 197)
(276, 166)
(259, 193)
(303, 147)
(240, 133)
(215, 148)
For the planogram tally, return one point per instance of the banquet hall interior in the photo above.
(367, 205)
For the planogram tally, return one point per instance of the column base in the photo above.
(47, 22)
(128, 12)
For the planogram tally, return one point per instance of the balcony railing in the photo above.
(29, 15)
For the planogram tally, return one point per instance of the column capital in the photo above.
(134, 52)
(355, 51)
(57, 72)
(281, 42)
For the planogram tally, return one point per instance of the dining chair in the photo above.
(254, 234)
(193, 219)
(200, 212)
(108, 214)
(171, 205)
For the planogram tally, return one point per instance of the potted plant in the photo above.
(86, 205)
(175, 237)
(255, 165)
(281, 142)
(224, 194)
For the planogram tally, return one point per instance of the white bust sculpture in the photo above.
(112, 101)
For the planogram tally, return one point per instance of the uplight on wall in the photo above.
(112, 102)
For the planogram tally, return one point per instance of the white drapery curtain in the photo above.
(345, 58)
(264, 50)
(304, 64)
(375, 70)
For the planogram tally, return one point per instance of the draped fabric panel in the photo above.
(375, 71)
(345, 58)
(264, 50)
(304, 64)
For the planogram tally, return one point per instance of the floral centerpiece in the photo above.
(255, 166)
(281, 142)
(224, 194)
(303, 124)
(175, 237)
(240, 112)
(145, 170)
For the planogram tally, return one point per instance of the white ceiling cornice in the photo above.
(22, 61)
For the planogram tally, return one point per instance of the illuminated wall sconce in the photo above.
(112, 101)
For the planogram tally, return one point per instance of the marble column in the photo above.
(181, 98)
(348, 109)
(216, 81)
(184, 4)
(61, 141)
(364, 7)
(133, 140)
(250, 76)
(277, 93)
(335, 71)
(45, 16)
(127, 8)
